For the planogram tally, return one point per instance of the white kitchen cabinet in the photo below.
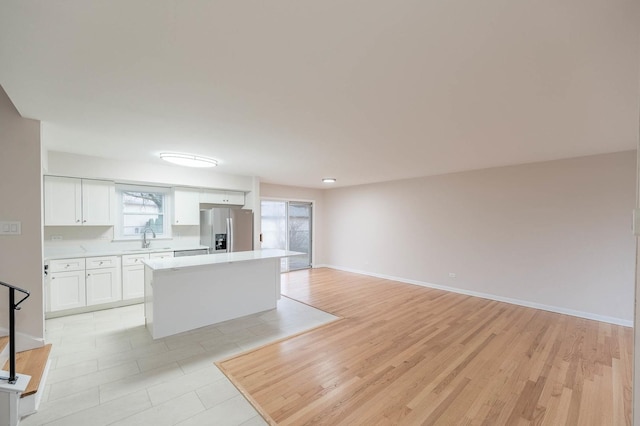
(67, 290)
(186, 206)
(77, 202)
(66, 265)
(133, 273)
(235, 198)
(103, 282)
(62, 201)
(98, 198)
(134, 259)
(161, 255)
(66, 285)
(132, 282)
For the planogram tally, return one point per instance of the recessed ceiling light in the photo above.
(329, 180)
(188, 160)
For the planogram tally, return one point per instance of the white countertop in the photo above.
(212, 259)
(80, 251)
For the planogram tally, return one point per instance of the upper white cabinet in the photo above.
(62, 201)
(98, 202)
(76, 202)
(186, 206)
(235, 198)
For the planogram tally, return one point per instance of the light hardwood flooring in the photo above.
(409, 355)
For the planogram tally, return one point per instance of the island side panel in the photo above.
(188, 298)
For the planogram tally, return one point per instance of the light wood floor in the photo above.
(408, 355)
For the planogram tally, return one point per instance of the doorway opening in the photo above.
(286, 225)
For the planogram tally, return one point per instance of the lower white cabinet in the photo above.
(66, 290)
(161, 255)
(132, 282)
(133, 273)
(82, 282)
(103, 280)
(66, 285)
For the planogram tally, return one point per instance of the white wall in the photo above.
(21, 192)
(293, 193)
(554, 234)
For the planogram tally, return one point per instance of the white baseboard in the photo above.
(519, 302)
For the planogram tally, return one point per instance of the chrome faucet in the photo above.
(145, 243)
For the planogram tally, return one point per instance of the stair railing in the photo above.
(12, 329)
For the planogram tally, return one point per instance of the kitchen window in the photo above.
(140, 208)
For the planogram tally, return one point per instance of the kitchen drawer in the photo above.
(161, 255)
(102, 262)
(134, 259)
(62, 265)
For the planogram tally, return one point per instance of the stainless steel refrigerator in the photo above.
(226, 230)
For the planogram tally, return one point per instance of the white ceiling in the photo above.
(293, 91)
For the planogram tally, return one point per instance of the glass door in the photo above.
(286, 225)
(299, 215)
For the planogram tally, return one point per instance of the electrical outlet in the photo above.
(452, 275)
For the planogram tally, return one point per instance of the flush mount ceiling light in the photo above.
(329, 180)
(188, 160)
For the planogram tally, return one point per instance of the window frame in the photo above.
(118, 231)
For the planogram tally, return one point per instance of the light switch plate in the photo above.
(10, 228)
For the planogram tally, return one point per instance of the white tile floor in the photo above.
(107, 370)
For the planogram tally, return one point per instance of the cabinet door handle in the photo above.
(84, 221)
(77, 220)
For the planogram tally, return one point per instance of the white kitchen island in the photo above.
(185, 293)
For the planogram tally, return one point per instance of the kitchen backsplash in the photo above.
(101, 237)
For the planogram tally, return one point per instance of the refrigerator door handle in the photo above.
(229, 235)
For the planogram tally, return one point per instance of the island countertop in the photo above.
(212, 259)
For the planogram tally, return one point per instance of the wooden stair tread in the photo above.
(4, 341)
(32, 363)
